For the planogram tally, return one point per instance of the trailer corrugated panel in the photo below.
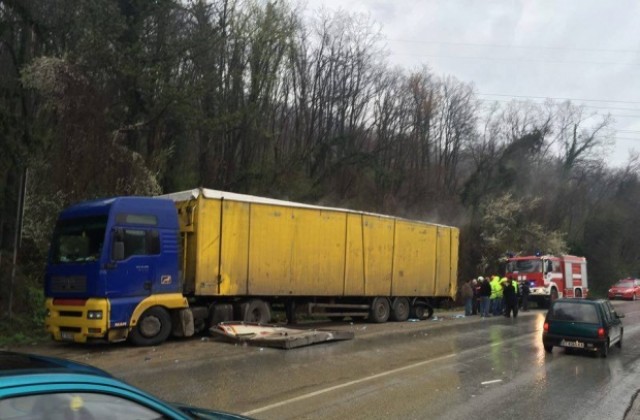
(414, 259)
(267, 248)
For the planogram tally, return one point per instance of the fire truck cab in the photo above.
(550, 277)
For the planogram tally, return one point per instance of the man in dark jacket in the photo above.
(510, 299)
(485, 294)
(524, 290)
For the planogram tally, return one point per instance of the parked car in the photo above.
(592, 325)
(39, 387)
(625, 289)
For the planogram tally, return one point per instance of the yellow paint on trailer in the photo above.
(234, 266)
(414, 259)
(378, 254)
(296, 251)
(453, 262)
(354, 277)
(251, 246)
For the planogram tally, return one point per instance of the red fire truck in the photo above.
(550, 277)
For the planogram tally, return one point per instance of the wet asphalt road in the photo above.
(453, 368)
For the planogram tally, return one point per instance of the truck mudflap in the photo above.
(77, 320)
(267, 335)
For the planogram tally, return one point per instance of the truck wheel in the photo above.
(380, 310)
(554, 295)
(256, 310)
(419, 309)
(579, 293)
(548, 348)
(400, 309)
(153, 327)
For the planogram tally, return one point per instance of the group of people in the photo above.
(495, 296)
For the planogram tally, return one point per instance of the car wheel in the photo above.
(604, 351)
(619, 343)
(548, 348)
(153, 327)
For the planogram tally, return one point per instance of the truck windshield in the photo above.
(524, 266)
(78, 240)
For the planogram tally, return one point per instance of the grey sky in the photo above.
(584, 50)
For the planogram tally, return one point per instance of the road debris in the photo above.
(266, 335)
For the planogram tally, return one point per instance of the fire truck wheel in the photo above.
(578, 293)
(554, 294)
(400, 309)
(380, 310)
(153, 327)
(548, 348)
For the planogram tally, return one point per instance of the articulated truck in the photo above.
(144, 268)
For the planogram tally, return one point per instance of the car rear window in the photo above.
(579, 312)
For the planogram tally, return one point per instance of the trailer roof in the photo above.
(245, 198)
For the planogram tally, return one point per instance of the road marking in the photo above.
(346, 384)
(495, 381)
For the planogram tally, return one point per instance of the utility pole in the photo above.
(17, 236)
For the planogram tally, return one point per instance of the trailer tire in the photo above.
(400, 309)
(418, 310)
(153, 327)
(380, 310)
(256, 310)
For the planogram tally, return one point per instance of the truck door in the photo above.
(130, 274)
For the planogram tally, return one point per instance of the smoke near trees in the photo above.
(139, 97)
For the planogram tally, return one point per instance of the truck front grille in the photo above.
(62, 284)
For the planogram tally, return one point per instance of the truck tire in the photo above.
(153, 327)
(380, 310)
(400, 309)
(256, 310)
(419, 309)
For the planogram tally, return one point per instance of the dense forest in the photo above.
(103, 98)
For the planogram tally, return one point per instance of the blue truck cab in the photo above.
(113, 271)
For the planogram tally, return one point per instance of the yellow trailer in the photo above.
(241, 254)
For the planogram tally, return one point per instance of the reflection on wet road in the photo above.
(475, 369)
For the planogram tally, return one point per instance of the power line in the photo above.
(532, 47)
(584, 105)
(493, 59)
(559, 99)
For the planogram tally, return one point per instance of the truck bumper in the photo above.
(77, 320)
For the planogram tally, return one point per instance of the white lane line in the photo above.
(495, 381)
(346, 384)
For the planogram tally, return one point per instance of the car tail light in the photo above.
(545, 327)
(600, 332)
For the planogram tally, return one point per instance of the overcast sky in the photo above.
(584, 50)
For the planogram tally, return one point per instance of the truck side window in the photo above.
(141, 242)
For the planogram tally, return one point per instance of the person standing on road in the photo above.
(510, 299)
(475, 304)
(524, 290)
(485, 295)
(496, 296)
(467, 297)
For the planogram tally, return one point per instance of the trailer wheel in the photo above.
(153, 327)
(380, 310)
(256, 310)
(400, 309)
(418, 310)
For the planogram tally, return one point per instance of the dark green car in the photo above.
(592, 325)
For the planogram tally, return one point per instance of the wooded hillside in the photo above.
(102, 98)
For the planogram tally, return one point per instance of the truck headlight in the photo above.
(94, 315)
